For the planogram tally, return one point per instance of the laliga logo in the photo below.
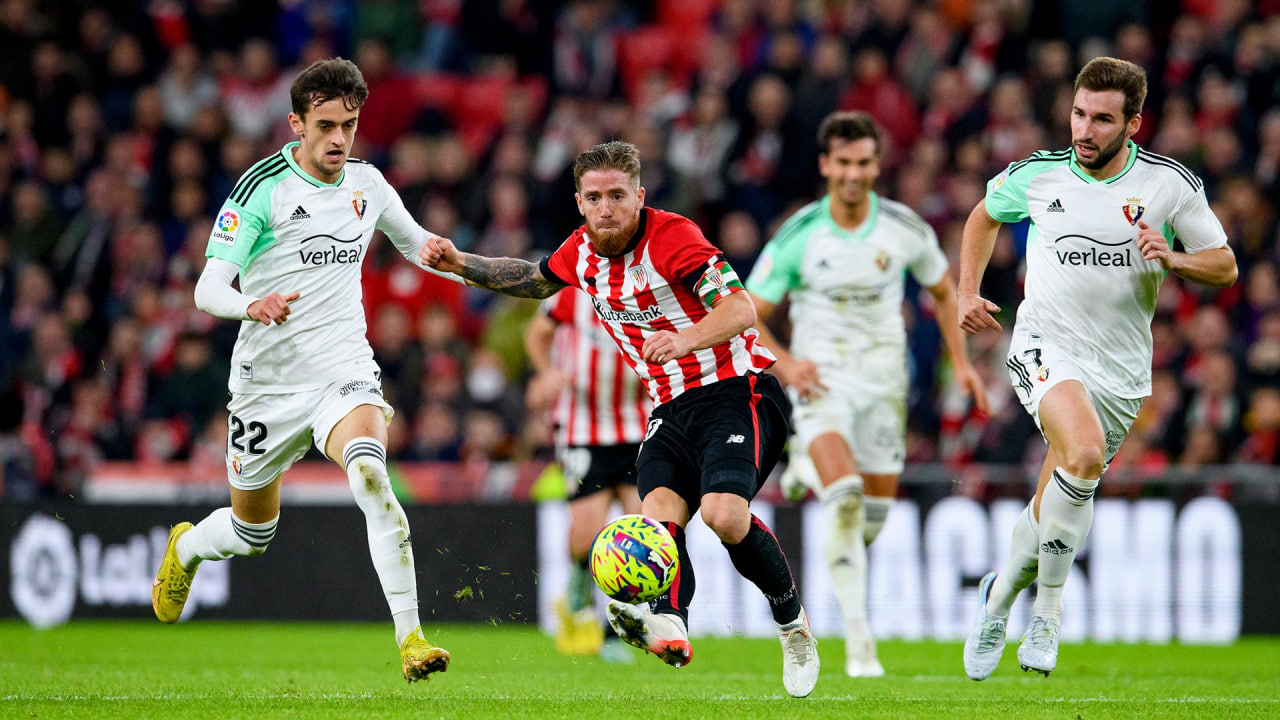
(228, 222)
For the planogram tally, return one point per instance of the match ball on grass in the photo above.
(634, 559)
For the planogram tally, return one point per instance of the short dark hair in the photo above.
(613, 155)
(325, 80)
(1108, 73)
(847, 125)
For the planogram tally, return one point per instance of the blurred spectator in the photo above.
(186, 87)
(116, 133)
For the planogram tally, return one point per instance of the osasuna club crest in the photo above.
(639, 277)
(358, 203)
(1133, 210)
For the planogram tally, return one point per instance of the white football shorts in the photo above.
(268, 433)
(1035, 364)
(866, 404)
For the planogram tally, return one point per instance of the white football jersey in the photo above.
(846, 286)
(1087, 286)
(289, 232)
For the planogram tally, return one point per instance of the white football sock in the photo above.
(846, 549)
(877, 511)
(222, 535)
(1019, 570)
(388, 528)
(1066, 514)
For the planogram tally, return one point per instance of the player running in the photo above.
(295, 230)
(678, 312)
(843, 261)
(599, 410)
(1106, 216)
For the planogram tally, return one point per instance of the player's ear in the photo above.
(577, 198)
(296, 124)
(1134, 123)
(640, 196)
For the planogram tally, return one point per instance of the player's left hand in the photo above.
(1153, 246)
(665, 346)
(971, 384)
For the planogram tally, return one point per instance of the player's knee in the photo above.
(1085, 460)
(730, 521)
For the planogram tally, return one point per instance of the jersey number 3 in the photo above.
(256, 431)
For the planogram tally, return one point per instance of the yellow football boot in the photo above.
(419, 658)
(173, 581)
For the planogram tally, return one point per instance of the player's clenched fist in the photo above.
(975, 313)
(439, 253)
(1153, 245)
(273, 308)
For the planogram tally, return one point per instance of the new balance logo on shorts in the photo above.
(736, 440)
(1056, 547)
(1055, 206)
(300, 214)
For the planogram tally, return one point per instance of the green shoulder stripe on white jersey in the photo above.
(250, 181)
(1006, 199)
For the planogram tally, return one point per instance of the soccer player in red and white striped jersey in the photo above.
(680, 316)
(599, 410)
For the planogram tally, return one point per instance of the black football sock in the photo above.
(676, 600)
(759, 559)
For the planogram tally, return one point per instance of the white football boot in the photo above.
(985, 644)
(799, 656)
(860, 651)
(1039, 649)
(662, 634)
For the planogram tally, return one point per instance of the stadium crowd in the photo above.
(123, 125)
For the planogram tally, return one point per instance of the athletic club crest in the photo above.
(358, 203)
(639, 277)
(1133, 210)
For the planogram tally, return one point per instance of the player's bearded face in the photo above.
(611, 203)
(327, 134)
(1098, 127)
(851, 168)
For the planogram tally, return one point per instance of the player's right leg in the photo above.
(662, 628)
(1075, 434)
(267, 434)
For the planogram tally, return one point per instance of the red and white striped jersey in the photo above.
(667, 280)
(605, 405)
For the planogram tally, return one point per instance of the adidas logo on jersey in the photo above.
(1056, 547)
(1055, 206)
(300, 214)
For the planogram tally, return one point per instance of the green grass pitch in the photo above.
(209, 669)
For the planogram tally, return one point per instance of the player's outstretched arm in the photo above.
(509, 276)
(979, 238)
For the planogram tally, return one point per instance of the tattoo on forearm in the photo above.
(509, 276)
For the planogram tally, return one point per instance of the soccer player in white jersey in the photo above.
(843, 261)
(295, 230)
(599, 409)
(678, 312)
(1108, 221)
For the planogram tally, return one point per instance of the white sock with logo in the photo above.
(1020, 568)
(1066, 514)
(222, 535)
(846, 550)
(388, 529)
